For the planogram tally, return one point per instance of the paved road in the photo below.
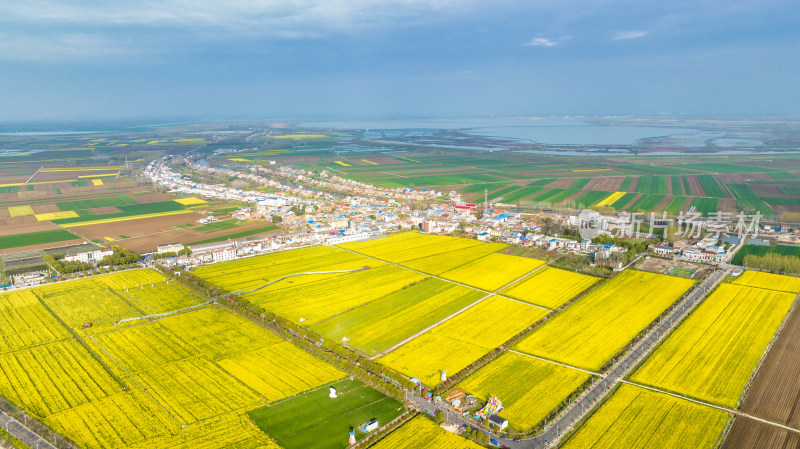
(600, 389)
(22, 433)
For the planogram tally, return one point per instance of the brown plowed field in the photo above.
(775, 396)
(134, 227)
(635, 199)
(45, 208)
(561, 183)
(741, 178)
(609, 184)
(663, 203)
(771, 190)
(11, 229)
(632, 185)
(727, 205)
(695, 186)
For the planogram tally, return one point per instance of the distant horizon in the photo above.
(396, 58)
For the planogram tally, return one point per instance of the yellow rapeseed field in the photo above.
(313, 302)
(529, 388)
(635, 418)
(439, 263)
(96, 175)
(97, 182)
(56, 215)
(343, 164)
(590, 331)
(422, 433)
(493, 271)
(550, 287)
(369, 162)
(712, 354)
(20, 211)
(190, 201)
(769, 281)
(611, 199)
(461, 340)
(280, 370)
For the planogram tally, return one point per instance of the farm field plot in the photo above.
(216, 333)
(228, 431)
(711, 187)
(676, 205)
(646, 203)
(400, 248)
(141, 347)
(773, 396)
(422, 433)
(521, 194)
(611, 199)
(769, 281)
(528, 388)
(493, 271)
(550, 287)
(86, 301)
(315, 420)
(589, 198)
(747, 199)
(246, 274)
(635, 418)
(783, 250)
(36, 238)
(712, 354)
(118, 420)
(439, 263)
(380, 324)
(280, 370)
(705, 206)
(651, 184)
(462, 339)
(623, 201)
(593, 329)
(24, 322)
(54, 377)
(315, 301)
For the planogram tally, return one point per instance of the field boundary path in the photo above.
(293, 275)
(22, 433)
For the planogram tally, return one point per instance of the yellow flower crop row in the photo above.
(319, 300)
(422, 433)
(229, 431)
(493, 271)
(190, 201)
(590, 331)
(611, 199)
(405, 246)
(439, 263)
(196, 389)
(635, 418)
(712, 354)
(115, 421)
(461, 340)
(380, 324)
(529, 388)
(769, 281)
(20, 211)
(246, 274)
(54, 377)
(280, 370)
(56, 215)
(550, 287)
(177, 394)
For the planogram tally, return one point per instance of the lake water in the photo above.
(553, 131)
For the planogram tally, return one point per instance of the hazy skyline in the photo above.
(373, 58)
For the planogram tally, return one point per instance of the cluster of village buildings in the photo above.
(328, 209)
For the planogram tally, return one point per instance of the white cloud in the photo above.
(630, 35)
(60, 46)
(542, 42)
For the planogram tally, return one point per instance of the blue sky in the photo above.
(65, 60)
